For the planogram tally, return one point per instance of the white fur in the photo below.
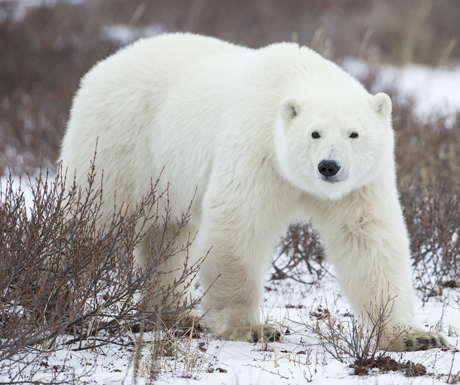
(235, 124)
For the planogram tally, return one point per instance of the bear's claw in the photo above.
(419, 341)
(252, 333)
(273, 336)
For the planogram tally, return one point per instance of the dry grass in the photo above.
(67, 280)
(177, 353)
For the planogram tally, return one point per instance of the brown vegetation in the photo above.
(64, 279)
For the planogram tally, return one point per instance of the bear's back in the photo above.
(117, 104)
(177, 100)
(157, 60)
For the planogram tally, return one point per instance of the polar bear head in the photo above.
(329, 145)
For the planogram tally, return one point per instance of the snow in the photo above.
(296, 360)
(23, 6)
(123, 34)
(18, 182)
(245, 363)
(434, 90)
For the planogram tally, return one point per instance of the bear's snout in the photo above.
(328, 168)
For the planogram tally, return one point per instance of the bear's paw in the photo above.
(253, 333)
(418, 340)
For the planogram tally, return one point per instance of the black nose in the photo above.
(328, 168)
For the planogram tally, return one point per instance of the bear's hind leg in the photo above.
(173, 281)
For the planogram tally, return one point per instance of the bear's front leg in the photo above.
(240, 239)
(233, 276)
(365, 236)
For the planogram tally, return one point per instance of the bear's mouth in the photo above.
(330, 179)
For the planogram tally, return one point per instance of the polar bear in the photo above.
(258, 138)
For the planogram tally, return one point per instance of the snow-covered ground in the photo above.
(435, 90)
(299, 358)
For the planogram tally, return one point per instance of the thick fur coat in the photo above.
(263, 137)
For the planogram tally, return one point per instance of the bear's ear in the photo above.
(289, 109)
(382, 104)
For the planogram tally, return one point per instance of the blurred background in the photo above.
(46, 46)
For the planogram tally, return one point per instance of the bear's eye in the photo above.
(354, 135)
(315, 135)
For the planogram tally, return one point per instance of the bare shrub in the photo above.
(432, 216)
(64, 275)
(427, 151)
(351, 340)
(300, 253)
